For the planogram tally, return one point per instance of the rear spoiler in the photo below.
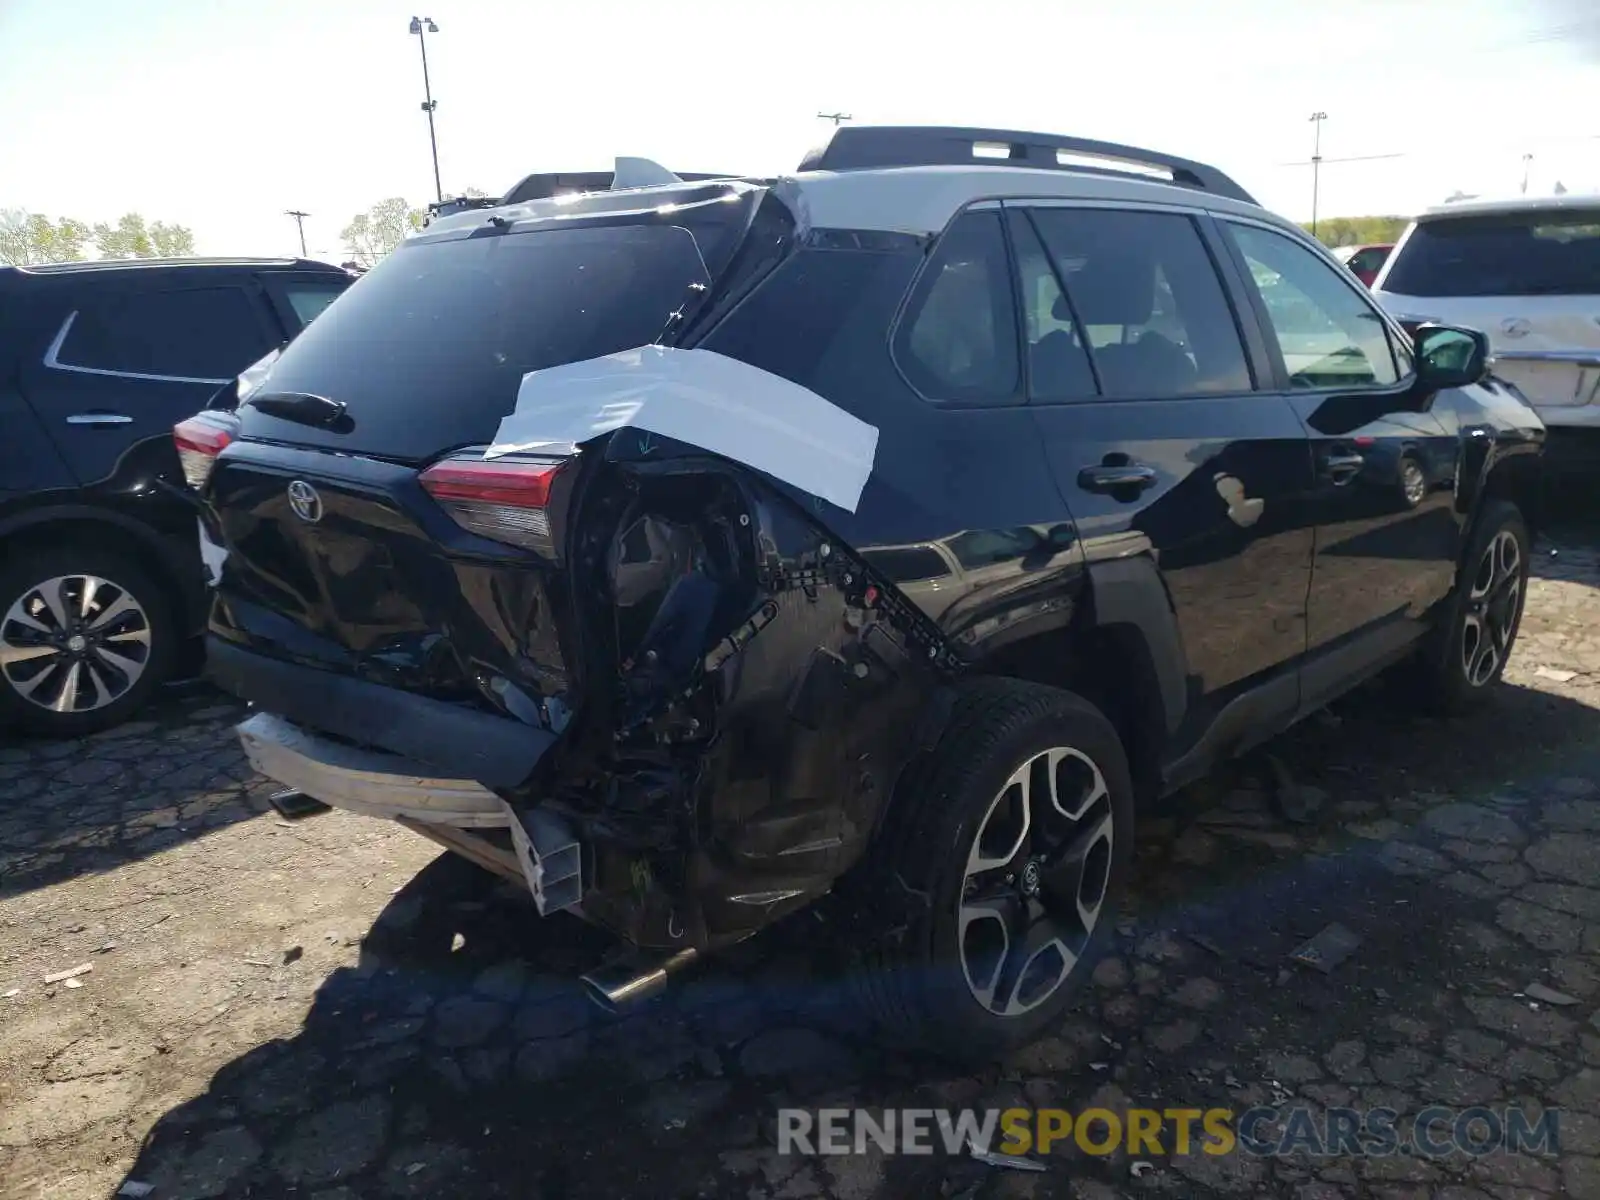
(628, 173)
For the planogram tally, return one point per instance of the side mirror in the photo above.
(1449, 356)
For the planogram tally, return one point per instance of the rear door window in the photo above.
(199, 334)
(1147, 302)
(1548, 253)
(958, 343)
(1329, 334)
(1058, 362)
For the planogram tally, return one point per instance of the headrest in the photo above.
(1113, 287)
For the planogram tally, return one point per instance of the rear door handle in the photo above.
(1128, 477)
(1341, 468)
(99, 418)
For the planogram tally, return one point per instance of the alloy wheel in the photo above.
(1412, 482)
(1494, 603)
(74, 644)
(1035, 881)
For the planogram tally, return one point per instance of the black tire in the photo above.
(20, 577)
(911, 974)
(1454, 675)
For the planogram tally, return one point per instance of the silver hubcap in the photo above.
(1411, 480)
(74, 643)
(1035, 881)
(1493, 604)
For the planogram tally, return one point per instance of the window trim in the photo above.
(913, 291)
(53, 361)
(1197, 219)
(1354, 286)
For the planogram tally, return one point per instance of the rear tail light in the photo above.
(200, 439)
(505, 499)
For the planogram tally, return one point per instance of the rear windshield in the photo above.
(427, 350)
(1503, 254)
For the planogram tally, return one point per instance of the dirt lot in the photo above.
(330, 1009)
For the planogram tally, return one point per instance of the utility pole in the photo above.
(300, 223)
(1527, 161)
(422, 28)
(1317, 118)
(838, 118)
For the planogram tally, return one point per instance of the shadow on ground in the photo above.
(459, 1059)
(87, 805)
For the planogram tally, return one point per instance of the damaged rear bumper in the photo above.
(454, 742)
(535, 846)
(368, 782)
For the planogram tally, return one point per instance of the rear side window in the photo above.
(309, 299)
(1329, 334)
(205, 334)
(958, 342)
(1147, 301)
(1368, 260)
(1501, 254)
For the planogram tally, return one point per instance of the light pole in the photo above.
(422, 28)
(1317, 118)
(300, 223)
(838, 118)
(1527, 162)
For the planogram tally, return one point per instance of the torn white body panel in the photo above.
(703, 399)
(212, 556)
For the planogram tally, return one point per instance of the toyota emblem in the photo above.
(306, 503)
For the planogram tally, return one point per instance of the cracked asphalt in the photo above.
(331, 1009)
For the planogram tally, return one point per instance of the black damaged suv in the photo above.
(890, 529)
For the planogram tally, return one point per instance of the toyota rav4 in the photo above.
(891, 529)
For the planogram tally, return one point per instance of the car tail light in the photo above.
(504, 499)
(200, 439)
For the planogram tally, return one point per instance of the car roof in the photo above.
(909, 179)
(134, 268)
(1511, 204)
(915, 200)
(923, 200)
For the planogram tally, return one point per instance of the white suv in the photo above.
(1526, 271)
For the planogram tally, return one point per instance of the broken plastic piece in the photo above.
(1013, 1162)
(1538, 991)
(1140, 1168)
(73, 973)
(135, 1189)
(1330, 947)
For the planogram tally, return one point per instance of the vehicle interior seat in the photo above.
(1118, 288)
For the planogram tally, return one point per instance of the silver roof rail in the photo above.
(864, 147)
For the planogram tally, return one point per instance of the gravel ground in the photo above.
(331, 1009)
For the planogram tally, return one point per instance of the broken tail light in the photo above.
(199, 440)
(505, 499)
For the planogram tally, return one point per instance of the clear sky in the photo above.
(221, 114)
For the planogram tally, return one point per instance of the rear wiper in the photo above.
(304, 409)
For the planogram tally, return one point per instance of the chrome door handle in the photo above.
(1341, 468)
(1127, 477)
(99, 418)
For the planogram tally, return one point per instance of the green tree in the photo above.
(1357, 231)
(372, 234)
(132, 238)
(27, 238)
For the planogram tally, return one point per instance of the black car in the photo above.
(888, 532)
(101, 585)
